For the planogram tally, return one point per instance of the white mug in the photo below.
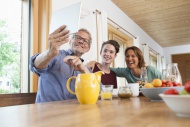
(134, 88)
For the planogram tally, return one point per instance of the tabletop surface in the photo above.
(133, 112)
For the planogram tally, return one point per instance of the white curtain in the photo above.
(103, 26)
(102, 29)
(145, 50)
(159, 62)
(163, 61)
(136, 41)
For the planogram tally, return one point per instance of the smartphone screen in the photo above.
(69, 16)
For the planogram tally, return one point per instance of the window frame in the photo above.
(25, 35)
(153, 58)
(26, 41)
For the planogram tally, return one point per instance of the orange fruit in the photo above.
(148, 85)
(157, 82)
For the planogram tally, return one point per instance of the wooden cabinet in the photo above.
(183, 61)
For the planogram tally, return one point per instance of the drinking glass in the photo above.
(106, 92)
(143, 76)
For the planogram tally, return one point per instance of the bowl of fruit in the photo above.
(178, 102)
(158, 86)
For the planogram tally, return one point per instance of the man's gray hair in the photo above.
(86, 31)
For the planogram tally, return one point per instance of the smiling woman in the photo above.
(135, 61)
(108, 54)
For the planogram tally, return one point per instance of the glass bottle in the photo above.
(143, 76)
(164, 74)
(173, 73)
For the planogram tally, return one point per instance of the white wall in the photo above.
(175, 50)
(115, 14)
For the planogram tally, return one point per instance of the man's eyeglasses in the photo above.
(78, 37)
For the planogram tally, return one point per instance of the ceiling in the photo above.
(165, 21)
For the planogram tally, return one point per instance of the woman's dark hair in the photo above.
(111, 42)
(139, 55)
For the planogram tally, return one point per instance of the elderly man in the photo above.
(55, 66)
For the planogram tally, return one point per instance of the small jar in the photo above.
(124, 92)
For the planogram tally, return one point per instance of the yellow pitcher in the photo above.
(87, 87)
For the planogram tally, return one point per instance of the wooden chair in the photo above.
(17, 99)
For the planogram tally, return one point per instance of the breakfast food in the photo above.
(164, 83)
(157, 82)
(171, 91)
(141, 83)
(187, 86)
(185, 91)
(148, 85)
(170, 84)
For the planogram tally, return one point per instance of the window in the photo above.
(153, 58)
(14, 45)
(8, 83)
(124, 41)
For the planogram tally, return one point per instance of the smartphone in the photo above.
(69, 16)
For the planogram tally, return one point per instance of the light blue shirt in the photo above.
(53, 78)
(152, 73)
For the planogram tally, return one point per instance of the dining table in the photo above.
(132, 112)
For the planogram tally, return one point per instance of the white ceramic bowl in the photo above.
(153, 93)
(180, 104)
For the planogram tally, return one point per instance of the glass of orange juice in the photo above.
(106, 92)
